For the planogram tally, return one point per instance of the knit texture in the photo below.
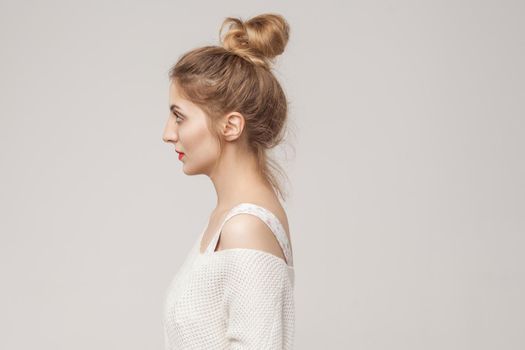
(237, 298)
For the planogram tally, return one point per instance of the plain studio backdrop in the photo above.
(405, 156)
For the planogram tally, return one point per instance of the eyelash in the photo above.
(176, 116)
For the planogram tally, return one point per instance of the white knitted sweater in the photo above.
(237, 298)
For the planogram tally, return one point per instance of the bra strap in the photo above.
(267, 217)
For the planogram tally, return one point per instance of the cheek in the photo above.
(198, 141)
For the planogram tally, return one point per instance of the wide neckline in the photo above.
(206, 252)
(209, 255)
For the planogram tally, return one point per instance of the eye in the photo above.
(177, 117)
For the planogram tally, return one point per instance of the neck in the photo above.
(237, 179)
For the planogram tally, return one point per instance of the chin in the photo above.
(202, 168)
(187, 171)
(190, 171)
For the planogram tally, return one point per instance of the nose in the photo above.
(170, 132)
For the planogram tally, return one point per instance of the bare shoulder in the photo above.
(248, 231)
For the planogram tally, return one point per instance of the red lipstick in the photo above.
(181, 155)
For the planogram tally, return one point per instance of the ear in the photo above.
(233, 126)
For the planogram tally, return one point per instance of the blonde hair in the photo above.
(237, 76)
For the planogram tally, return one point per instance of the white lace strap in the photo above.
(268, 218)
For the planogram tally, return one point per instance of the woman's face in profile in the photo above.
(187, 130)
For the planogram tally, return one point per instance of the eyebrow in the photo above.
(173, 107)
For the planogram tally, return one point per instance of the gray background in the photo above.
(405, 155)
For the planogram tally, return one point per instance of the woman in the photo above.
(235, 288)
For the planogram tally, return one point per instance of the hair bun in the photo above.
(259, 39)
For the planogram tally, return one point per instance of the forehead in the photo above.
(184, 106)
(175, 98)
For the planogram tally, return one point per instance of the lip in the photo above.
(180, 155)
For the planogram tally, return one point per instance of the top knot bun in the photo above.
(258, 40)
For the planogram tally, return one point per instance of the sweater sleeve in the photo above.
(254, 300)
